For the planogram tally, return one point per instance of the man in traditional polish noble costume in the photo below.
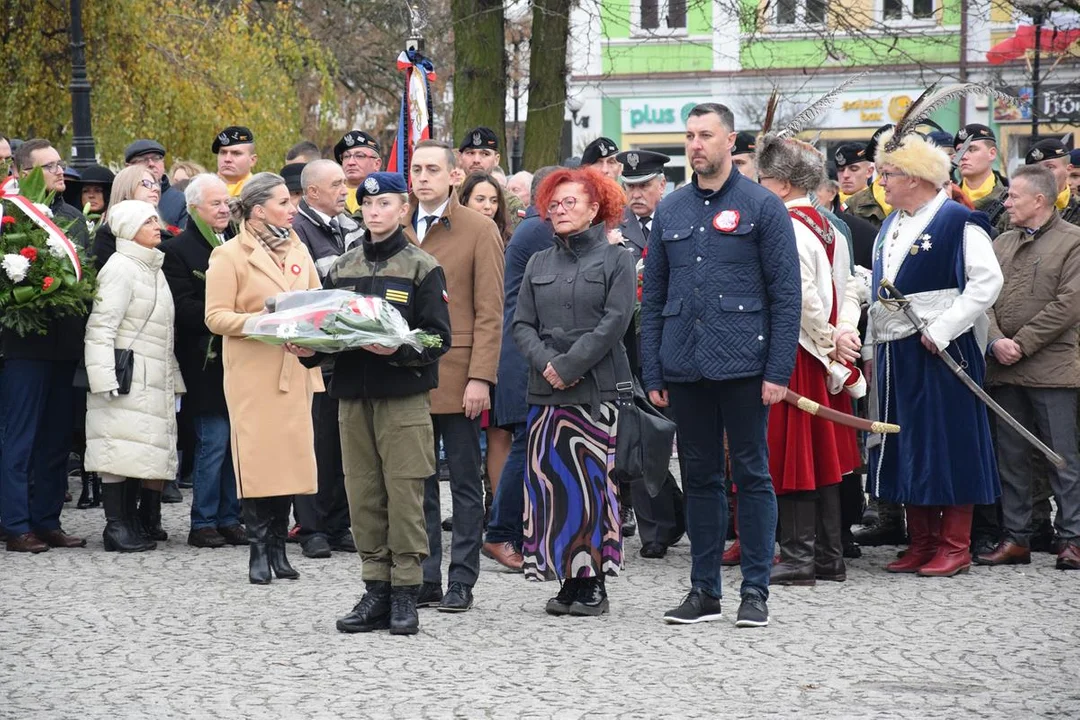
(809, 455)
(938, 254)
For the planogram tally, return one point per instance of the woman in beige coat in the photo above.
(131, 437)
(267, 390)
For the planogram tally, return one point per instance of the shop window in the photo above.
(793, 13)
(907, 9)
(660, 16)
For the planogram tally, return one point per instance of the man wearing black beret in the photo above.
(979, 182)
(235, 150)
(853, 170)
(479, 152)
(600, 153)
(743, 155)
(359, 155)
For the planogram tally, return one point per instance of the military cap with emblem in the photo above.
(641, 166)
(599, 148)
(941, 138)
(745, 144)
(1048, 149)
(232, 135)
(481, 138)
(354, 139)
(975, 131)
(142, 147)
(382, 183)
(291, 174)
(849, 154)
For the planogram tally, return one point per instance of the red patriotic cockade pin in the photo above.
(296, 269)
(726, 220)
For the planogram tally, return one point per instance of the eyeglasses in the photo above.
(567, 204)
(148, 184)
(54, 167)
(148, 158)
(889, 176)
(358, 156)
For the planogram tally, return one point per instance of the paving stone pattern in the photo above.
(179, 633)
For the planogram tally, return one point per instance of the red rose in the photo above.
(29, 253)
(7, 220)
(47, 283)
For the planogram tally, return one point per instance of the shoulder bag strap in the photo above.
(148, 316)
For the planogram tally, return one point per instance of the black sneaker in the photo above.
(458, 598)
(698, 606)
(315, 546)
(753, 612)
(430, 595)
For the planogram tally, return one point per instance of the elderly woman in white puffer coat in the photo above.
(131, 438)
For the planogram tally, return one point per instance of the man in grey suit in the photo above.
(659, 519)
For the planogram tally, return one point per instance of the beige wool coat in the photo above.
(470, 251)
(267, 390)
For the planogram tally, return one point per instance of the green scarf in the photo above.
(208, 234)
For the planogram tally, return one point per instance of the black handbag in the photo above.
(644, 437)
(125, 358)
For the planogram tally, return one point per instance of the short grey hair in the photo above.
(258, 191)
(538, 178)
(313, 170)
(198, 185)
(1040, 179)
(800, 163)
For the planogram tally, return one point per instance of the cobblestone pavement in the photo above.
(179, 633)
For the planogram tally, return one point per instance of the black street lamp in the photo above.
(82, 151)
(1039, 11)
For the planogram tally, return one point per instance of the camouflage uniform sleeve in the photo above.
(514, 209)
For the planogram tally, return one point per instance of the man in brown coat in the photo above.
(1034, 370)
(469, 249)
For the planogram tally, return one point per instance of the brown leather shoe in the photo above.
(505, 554)
(27, 542)
(234, 534)
(1007, 552)
(1068, 558)
(59, 539)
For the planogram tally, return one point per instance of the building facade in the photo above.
(639, 66)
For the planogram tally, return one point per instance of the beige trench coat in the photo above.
(267, 390)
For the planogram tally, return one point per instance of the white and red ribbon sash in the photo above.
(9, 191)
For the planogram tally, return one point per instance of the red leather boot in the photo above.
(954, 548)
(923, 524)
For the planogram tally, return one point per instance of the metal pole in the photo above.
(82, 150)
(1038, 16)
(515, 157)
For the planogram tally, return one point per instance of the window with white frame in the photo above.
(900, 10)
(796, 13)
(661, 17)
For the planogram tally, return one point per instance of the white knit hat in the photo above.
(125, 218)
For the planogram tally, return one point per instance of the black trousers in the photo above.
(327, 511)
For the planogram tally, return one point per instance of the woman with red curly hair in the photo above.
(575, 304)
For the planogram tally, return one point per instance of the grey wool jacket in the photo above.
(576, 301)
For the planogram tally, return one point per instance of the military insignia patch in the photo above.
(371, 185)
(1036, 155)
(350, 140)
(632, 160)
(476, 139)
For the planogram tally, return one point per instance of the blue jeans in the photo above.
(508, 507)
(703, 411)
(213, 501)
(36, 399)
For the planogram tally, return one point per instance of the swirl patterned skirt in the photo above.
(572, 527)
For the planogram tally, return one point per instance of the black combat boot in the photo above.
(372, 612)
(403, 617)
(591, 598)
(560, 604)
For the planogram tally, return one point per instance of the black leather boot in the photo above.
(828, 543)
(560, 604)
(591, 598)
(372, 612)
(119, 535)
(90, 496)
(257, 520)
(150, 515)
(797, 520)
(279, 533)
(888, 531)
(403, 617)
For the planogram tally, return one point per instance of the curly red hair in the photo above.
(599, 188)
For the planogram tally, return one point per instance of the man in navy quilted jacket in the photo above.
(719, 328)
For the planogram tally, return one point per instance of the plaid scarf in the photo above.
(272, 238)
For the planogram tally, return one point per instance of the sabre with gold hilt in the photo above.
(896, 300)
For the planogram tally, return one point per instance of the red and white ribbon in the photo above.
(9, 191)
